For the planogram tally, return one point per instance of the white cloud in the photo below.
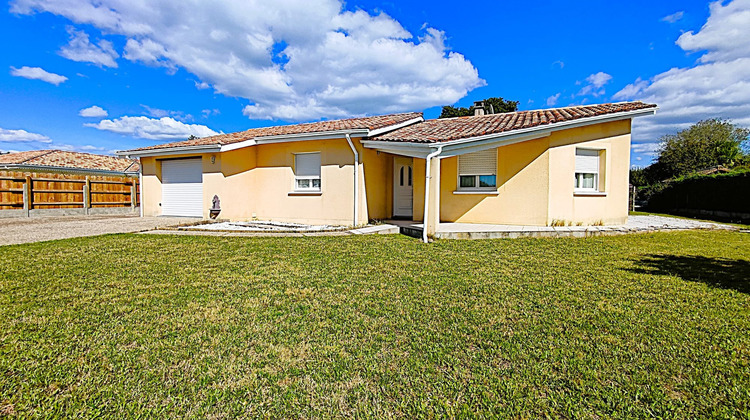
(80, 49)
(37, 73)
(632, 90)
(165, 128)
(559, 63)
(159, 113)
(552, 100)
(645, 148)
(292, 60)
(208, 112)
(674, 17)
(13, 136)
(595, 84)
(725, 34)
(93, 112)
(717, 86)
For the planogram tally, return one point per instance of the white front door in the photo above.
(182, 187)
(403, 194)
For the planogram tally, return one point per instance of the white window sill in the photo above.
(475, 192)
(311, 192)
(589, 194)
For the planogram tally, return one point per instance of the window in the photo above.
(401, 176)
(307, 172)
(587, 170)
(478, 170)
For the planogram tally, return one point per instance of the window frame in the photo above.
(578, 175)
(476, 176)
(311, 178)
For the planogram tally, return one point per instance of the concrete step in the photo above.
(376, 230)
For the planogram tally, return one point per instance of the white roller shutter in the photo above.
(182, 187)
(478, 163)
(587, 161)
(307, 164)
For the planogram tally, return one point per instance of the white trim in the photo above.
(587, 193)
(183, 150)
(382, 130)
(239, 145)
(476, 192)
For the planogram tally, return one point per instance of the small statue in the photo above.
(216, 208)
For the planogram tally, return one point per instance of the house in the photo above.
(524, 168)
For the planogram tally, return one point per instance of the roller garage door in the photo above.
(182, 187)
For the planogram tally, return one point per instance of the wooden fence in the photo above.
(29, 191)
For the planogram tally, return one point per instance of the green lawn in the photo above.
(650, 325)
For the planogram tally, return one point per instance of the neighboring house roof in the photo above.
(363, 123)
(60, 160)
(447, 129)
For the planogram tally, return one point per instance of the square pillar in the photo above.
(432, 219)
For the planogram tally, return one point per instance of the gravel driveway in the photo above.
(34, 229)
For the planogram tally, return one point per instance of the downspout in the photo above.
(427, 178)
(140, 188)
(356, 179)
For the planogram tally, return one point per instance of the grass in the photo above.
(649, 325)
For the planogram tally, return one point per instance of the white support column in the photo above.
(432, 196)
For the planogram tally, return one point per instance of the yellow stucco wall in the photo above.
(258, 182)
(534, 182)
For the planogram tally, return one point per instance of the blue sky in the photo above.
(108, 75)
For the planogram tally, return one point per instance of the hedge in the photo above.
(726, 193)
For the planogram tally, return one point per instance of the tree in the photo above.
(491, 106)
(706, 144)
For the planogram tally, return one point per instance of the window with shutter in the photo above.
(587, 170)
(478, 170)
(307, 172)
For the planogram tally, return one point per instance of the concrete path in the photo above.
(35, 229)
(635, 224)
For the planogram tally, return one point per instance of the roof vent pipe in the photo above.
(478, 108)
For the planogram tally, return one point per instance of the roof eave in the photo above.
(180, 150)
(59, 169)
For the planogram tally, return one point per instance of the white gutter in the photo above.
(356, 179)
(390, 128)
(427, 178)
(180, 150)
(140, 190)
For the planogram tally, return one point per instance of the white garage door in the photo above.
(182, 187)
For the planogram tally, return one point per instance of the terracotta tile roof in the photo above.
(73, 160)
(371, 123)
(440, 130)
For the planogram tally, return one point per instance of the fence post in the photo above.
(27, 196)
(87, 196)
